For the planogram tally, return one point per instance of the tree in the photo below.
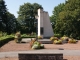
(11, 23)
(7, 20)
(26, 16)
(36, 6)
(3, 15)
(55, 17)
(69, 20)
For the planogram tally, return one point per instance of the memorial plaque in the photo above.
(40, 56)
(42, 30)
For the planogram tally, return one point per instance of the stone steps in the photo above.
(45, 41)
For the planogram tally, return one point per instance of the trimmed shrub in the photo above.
(18, 37)
(57, 35)
(36, 45)
(71, 40)
(57, 41)
(53, 38)
(40, 37)
(5, 39)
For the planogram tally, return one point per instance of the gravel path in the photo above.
(68, 48)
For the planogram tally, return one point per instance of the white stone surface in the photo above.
(44, 21)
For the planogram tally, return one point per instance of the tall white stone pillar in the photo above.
(40, 21)
(44, 25)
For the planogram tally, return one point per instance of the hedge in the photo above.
(5, 39)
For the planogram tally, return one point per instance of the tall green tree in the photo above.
(11, 23)
(56, 12)
(69, 20)
(3, 15)
(7, 20)
(26, 16)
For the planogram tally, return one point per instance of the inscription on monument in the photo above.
(42, 30)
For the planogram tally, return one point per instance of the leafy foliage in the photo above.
(18, 37)
(3, 16)
(11, 23)
(26, 17)
(5, 39)
(36, 44)
(68, 20)
(55, 15)
(7, 20)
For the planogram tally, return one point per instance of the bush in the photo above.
(57, 41)
(53, 38)
(5, 39)
(71, 40)
(32, 42)
(57, 35)
(18, 37)
(36, 45)
(40, 37)
(64, 38)
(28, 36)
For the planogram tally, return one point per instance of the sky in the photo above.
(48, 5)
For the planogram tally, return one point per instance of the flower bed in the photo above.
(36, 45)
(63, 39)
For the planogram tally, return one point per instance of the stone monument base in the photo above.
(40, 56)
(45, 41)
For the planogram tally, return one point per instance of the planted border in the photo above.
(5, 39)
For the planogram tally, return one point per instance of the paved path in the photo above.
(65, 52)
